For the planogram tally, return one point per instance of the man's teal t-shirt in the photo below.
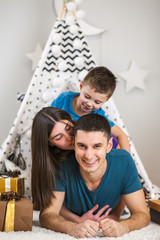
(120, 178)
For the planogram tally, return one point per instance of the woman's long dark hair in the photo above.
(45, 158)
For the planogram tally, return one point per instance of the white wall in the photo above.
(133, 32)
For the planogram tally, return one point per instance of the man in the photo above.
(97, 174)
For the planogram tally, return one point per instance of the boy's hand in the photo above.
(96, 217)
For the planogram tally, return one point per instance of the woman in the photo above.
(52, 142)
(52, 137)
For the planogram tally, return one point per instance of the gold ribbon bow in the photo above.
(10, 197)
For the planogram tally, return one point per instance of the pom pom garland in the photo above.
(70, 20)
(80, 14)
(71, 6)
(62, 66)
(45, 96)
(56, 50)
(77, 44)
(56, 38)
(56, 82)
(28, 134)
(73, 29)
(79, 62)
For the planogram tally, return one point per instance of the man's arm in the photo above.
(121, 138)
(50, 218)
(139, 216)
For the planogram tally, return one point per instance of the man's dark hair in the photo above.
(93, 123)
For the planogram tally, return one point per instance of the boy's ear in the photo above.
(110, 145)
(81, 84)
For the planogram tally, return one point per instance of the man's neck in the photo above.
(93, 179)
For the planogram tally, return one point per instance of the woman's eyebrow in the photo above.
(55, 136)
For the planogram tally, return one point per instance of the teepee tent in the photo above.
(65, 60)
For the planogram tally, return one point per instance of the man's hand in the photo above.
(111, 228)
(86, 229)
(96, 217)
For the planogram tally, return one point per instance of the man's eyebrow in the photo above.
(80, 143)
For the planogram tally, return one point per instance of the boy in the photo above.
(96, 88)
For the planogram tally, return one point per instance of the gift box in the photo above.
(155, 210)
(15, 215)
(15, 184)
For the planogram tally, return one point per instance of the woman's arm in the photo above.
(116, 213)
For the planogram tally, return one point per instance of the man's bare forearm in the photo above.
(56, 222)
(136, 222)
(111, 228)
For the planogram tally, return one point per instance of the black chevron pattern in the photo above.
(68, 53)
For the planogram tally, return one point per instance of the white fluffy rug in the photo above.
(151, 232)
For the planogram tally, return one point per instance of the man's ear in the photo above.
(110, 145)
(81, 84)
(73, 144)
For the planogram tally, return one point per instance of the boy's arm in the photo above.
(121, 138)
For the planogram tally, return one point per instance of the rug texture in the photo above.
(151, 232)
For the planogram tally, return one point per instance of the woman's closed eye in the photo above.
(68, 127)
(58, 137)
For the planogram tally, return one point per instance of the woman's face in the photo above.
(62, 135)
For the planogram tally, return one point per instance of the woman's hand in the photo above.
(95, 217)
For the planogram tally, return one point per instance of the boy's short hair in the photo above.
(102, 80)
(93, 123)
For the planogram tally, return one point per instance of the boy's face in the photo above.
(89, 100)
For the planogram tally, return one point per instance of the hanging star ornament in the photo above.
(35, 56)
(134, 77)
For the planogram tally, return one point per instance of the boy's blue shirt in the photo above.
(64, 102)
(120, 178)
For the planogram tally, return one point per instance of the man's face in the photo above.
(90, 151)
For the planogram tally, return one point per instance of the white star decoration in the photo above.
(134, 77)
(35, 56)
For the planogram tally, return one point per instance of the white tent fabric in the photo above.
(64, 62)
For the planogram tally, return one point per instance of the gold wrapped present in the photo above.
(12, 184)
(16, 213)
